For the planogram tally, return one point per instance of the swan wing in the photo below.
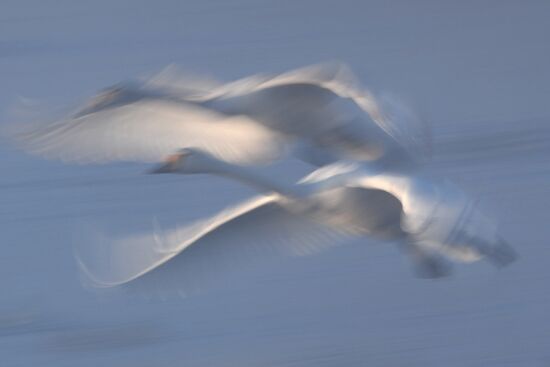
(327, 103)
(149, 129)
(243, 122)
(234, 237)
(388, 112)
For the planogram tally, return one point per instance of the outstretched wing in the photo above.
(240, 235)
(323, 106)
(388, 112)
(326, 104)
(148, 129)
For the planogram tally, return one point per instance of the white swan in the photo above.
(319, 113)
(429, 219)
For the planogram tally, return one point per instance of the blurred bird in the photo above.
(319, 114)
(429, 219)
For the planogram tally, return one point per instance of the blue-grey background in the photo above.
(478, 71)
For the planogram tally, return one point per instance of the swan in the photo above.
(319, 114)
(431, 220)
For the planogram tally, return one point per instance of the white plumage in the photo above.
(428, 219)
(318, 113)
(371, 181)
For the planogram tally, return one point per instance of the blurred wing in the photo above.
(390, 113)
(178, 82)
(307, 96)
(406, 128)
(148, 130)
(235, 237)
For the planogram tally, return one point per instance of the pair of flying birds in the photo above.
(369, 177)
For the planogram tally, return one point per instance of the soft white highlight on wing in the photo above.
(321, 113)
(234, 237)
(148, 131)
(389, 112)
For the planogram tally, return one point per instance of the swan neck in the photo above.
(255, 179)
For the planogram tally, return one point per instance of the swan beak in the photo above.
(162, 168)
(169, 165)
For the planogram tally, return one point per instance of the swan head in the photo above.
(188, 161)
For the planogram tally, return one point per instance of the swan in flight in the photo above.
(429, 219)
(319, 114)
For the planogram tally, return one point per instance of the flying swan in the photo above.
(319, 114)
(430, 219)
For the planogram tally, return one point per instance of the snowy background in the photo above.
(478, 71)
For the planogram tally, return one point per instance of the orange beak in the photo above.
(167, 166)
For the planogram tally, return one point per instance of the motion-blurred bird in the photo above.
(319, 114)
(430, 220)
